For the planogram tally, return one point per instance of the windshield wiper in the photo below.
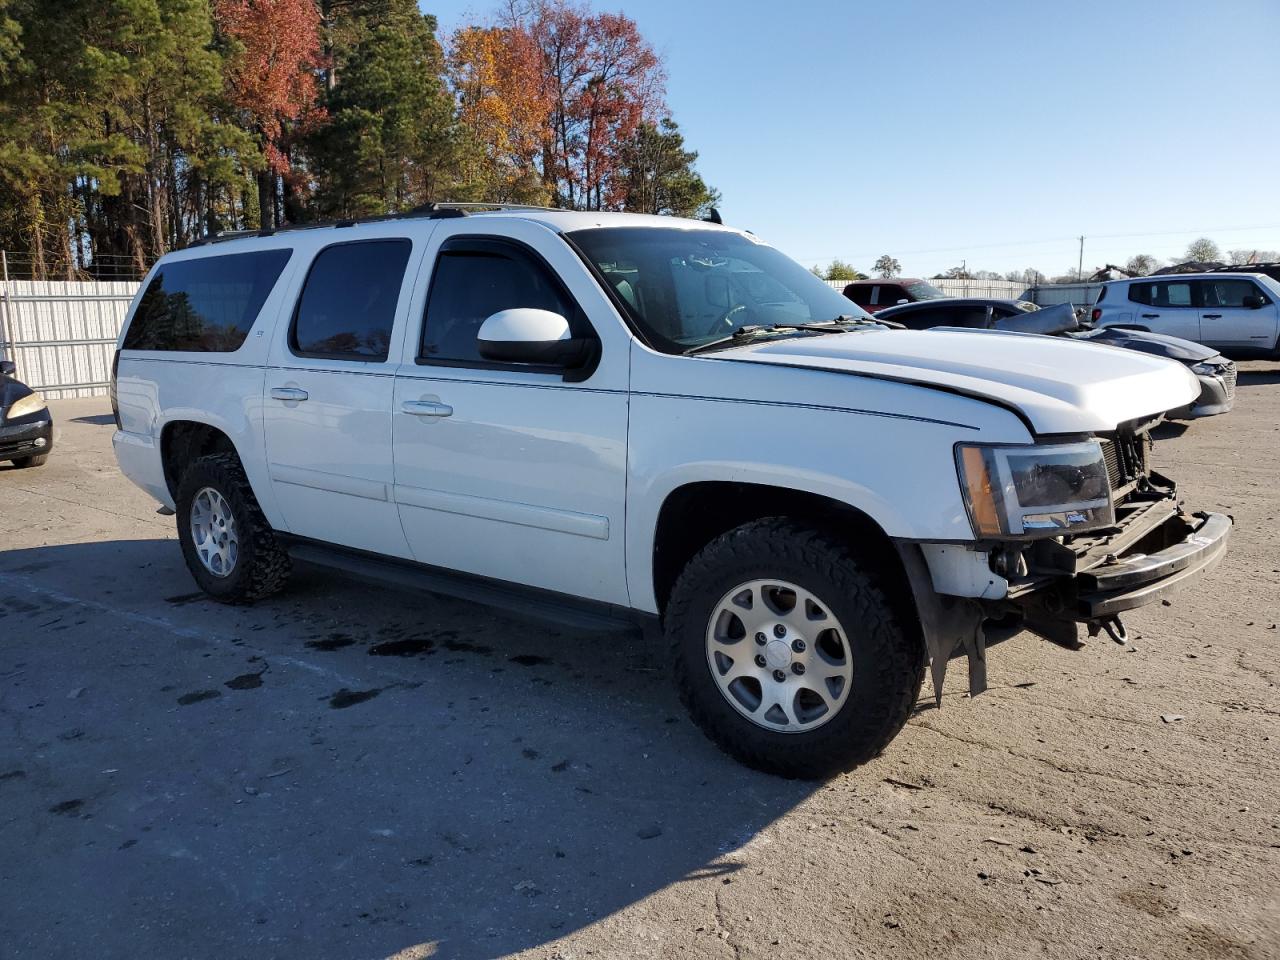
(741, 335)
(840, 324)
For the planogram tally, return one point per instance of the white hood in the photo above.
(1060, 385)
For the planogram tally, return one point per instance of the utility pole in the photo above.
(1080, 264)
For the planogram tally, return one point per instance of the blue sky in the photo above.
(993, 133)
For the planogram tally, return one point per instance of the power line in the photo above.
(1027, 243)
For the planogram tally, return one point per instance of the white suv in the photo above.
(1236, 312)
(611, 417)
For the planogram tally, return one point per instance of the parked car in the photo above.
(614, 418)
(875, 295)
(1217, 374)
(1236, 313)
(26, 426)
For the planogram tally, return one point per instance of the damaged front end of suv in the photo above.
(1074, 531)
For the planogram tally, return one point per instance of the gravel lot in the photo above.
(350, 772)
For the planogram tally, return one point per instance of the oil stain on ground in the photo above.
(183, 599)
(349, 698)
(66, 807)
(195, 696)
(530, 660)
(409, 647)
(246, 681)
(335, 641)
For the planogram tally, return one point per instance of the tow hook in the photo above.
(1115, 629)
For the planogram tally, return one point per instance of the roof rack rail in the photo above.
(428, 211)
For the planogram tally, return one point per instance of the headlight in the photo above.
(31, 403)
(1207, 370)
(1035, 491)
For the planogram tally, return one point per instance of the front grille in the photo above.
(1126, 459)
(1228, 374)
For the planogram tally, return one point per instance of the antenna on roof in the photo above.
(713, 216)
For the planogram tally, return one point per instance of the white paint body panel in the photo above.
(1060, 385)
(526, 480)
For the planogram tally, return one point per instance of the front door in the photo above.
(1226, 322)
(513, 472)
(329, 388)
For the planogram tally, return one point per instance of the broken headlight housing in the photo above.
(1030, 491)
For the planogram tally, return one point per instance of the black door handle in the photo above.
(1210, 316)
(1150, 316)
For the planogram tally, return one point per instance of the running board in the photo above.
(546, 605)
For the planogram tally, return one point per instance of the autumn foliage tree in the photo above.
(275, 51)
(131, 127)
(503, 108)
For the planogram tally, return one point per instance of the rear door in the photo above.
(1226, 322)
(329, 387)
(1167, 306)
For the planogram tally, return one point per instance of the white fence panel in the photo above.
(1046, 295)
(62, 334)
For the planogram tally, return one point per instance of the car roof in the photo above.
(558, 220)
(1175, 277)
(952, 302)
(868, 282)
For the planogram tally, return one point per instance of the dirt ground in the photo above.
(351, 772)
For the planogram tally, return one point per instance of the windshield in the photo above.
(687, 287)
(920, 290)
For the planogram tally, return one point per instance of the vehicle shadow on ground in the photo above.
(339, 771)
(1257, 378)
(97, 419)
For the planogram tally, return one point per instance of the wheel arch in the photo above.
(182, 441)
(694, 514)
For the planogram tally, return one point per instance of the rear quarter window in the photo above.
(204, 305)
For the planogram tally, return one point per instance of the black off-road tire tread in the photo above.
(265, 565)
(897, 663)
(38, 460)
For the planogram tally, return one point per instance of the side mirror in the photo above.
(8, 368)
(527, 335)
(1253, 302)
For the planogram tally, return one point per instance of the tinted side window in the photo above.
(890, 294)
(207, 304)
(1227, 293)
(348, 304)
(1172, 294)
(1140, 292)
(472, 281)
(924, 319)
(861, 295)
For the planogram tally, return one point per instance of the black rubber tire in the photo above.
(263, 566)
(37, 461)
(888, 660)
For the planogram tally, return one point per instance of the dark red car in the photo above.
(873, 295)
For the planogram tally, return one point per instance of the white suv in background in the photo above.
(604, 418)
(1239, 313)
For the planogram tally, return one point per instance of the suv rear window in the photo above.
(348, 304)
(204, 305)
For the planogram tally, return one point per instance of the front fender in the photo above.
(900, 473)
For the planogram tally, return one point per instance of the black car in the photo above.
(1217, 374)
(26, 427)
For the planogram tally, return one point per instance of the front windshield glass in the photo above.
(687, 287)
(924, 291)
